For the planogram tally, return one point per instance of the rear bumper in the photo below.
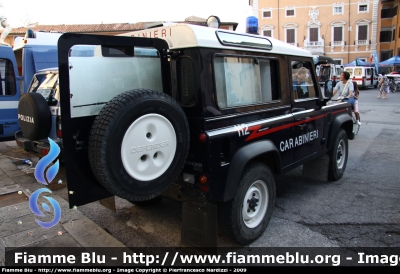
(40, 148)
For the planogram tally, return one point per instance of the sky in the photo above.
(49, 12)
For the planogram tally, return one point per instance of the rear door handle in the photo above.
(302, 126)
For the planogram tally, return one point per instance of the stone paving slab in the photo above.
(18, 227)
(32, 236)
(14, 212)
(89, 234)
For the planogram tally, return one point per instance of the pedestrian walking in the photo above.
(356, 95)
(383, 86)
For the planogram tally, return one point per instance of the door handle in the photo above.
(302, 126)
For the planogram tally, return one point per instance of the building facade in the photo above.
(388, 29)
(343, 31)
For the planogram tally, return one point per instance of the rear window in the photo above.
(350, 71)
(357, 71)
(46, 85)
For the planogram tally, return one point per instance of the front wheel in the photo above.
(338, 157)
(245, 218)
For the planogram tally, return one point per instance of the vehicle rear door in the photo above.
(87, 83)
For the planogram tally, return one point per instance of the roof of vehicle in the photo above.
(180, 36)
(40, 39)
(358, 67)
(320, 59)
(393, 75)
(46, 70)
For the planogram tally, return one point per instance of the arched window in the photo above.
(267, 30)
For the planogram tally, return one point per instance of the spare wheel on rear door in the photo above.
(138, 144)
(34, 116)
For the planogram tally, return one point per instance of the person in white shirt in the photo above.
(345, 88)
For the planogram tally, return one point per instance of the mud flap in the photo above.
(109, 203)
(199, 222)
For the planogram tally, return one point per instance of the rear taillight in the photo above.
(44, 151)
(58, 127)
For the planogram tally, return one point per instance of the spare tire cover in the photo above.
(138, 144)
(34, 116)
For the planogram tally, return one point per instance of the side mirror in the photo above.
(328, 88)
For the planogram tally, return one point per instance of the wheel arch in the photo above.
(342, 121)
(264, 151)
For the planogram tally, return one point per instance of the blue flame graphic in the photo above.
(45, 161)
(34, 208)
(50, 175)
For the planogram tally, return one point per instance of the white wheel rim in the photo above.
(253, 212)
(148, 147)
(340, 154)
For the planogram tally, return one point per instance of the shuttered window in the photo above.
(313, 34)
(267, 14)
(338, 34)
(267, 33)
(290, 36)
(362, 32)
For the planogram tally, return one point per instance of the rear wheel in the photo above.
(150, 202)
(245, 218)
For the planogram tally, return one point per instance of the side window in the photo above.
(243, 81)
(7, 78)
(357, 71)
(186, 81)
(302, 81)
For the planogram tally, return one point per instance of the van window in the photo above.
(350, 70)
(357, 71)
(7, 78)
(242, 81)
(302, 81)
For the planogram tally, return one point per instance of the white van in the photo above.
(366, 77)
(328, 72)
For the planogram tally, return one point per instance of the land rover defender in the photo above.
(207, 120)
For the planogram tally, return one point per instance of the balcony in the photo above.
(361, 42)
(318, 43)
(315, 47)
(339, 43)
(365, 43)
